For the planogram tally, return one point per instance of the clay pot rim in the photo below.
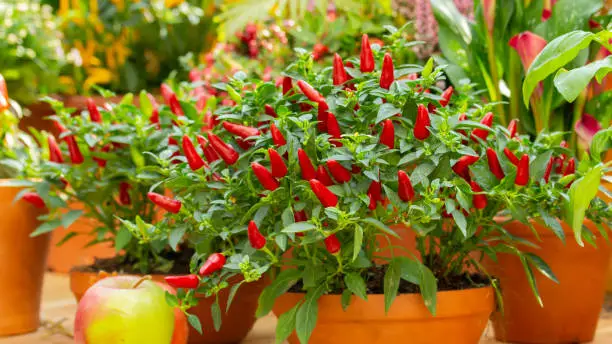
(406, 307)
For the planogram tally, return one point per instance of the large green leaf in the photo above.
(306, 317)
(571, 83)
(555, 55)
(602, 141)
(355, 283)
(447, 13)
(391, 282)
(581, 193)
(286, 324)
(280, 285)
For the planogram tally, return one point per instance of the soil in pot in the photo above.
(462, 314)
(236, 323)
(571, 308)
(22, 264)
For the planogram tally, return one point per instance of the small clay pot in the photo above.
(22, 264)
(236, 323)
(571, 307)
(461, 317)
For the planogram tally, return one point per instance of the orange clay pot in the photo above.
(74, 251)
(603, 196)
(236, 324)
(461, 318)
(22, 264)
(571, 308)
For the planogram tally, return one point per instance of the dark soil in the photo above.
(376, 277)
(123, 264)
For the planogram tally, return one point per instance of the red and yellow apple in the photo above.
(129, 310)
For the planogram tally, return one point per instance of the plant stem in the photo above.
(577, 114)
(495, 96)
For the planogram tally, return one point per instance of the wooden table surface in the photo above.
(58, 309)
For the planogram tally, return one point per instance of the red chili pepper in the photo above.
(340, 174)
(169, 204)
(479, 200)
(355, 169)
(154, 119)
(269, 110)
(257, 240)
(482, 133)
(512, 128)
(571, 167)
(185, 282)
(326, 197)
(405, 190)
(308, 170)
(193, 158)
(386, 76)
(94, 114)
(264, 176)
(387, 136)
(73, 148)
(494, 164)
(322, 116)
(366, 56)
(279, 168)
(548, 169)
(4, 99)
(323, 176)
(34, 199)
(421, 132)
(209, 152)
(446, 96)
(300, 216)
(375, 189)
(171, 100)
(559, 162)
(332, 244)
(522, 171)
(213, 264)
(333, 129)
(461, 166)
(513, 159)
(305, 107)
(55, 153)
(310, 93)
(209, 121)
(372, 205)
(240, 130)
(225, 151)
(277, 136)
(339, 75)
(124, 194)
(287, 85)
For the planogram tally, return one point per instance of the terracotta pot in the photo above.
(22, 264)
(571, 308)
(461, 318)
(74, 252)
(236, 323)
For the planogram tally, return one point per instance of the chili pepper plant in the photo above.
(107, 159)
(302, 183)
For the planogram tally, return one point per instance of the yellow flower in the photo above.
(173, 3)
(152, 66)
(68, 84)
(120, 4)
(88, 53)
(97, 76)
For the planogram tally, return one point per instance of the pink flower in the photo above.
(488, 10)
(586, 128)
(528, 45)
(547, 10)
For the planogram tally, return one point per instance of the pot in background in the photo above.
(236, 324)
(22, 264)
(571, 308)
(461, 318)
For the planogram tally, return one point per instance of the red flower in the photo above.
(528, 45)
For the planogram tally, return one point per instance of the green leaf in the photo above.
(421, 172)
(429, 289)
(374, 222)
(541, 266)
(176, 236)
(537, 167)
(299, 227)
(306, 317)
(145, 104)
(385, 111)
(171, 300)
(581, 193)
(428, 68)
(446, 12)
(553, 224)
(122, 239)
(215, 311)
(286, 324)
(357, 241)
(391, 283)
(232, 294)
(280, 285)
(571, 83)
(460, 221)
(555, 55)
(410, 269)
(194, 321)
(46, 227)
(602, 141)
(346, 299)
(355, 283)
(71, 216)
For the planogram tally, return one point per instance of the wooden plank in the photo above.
(58, 309)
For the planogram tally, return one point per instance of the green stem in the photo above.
(514, 82)
(496, 95)
(578, 111)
